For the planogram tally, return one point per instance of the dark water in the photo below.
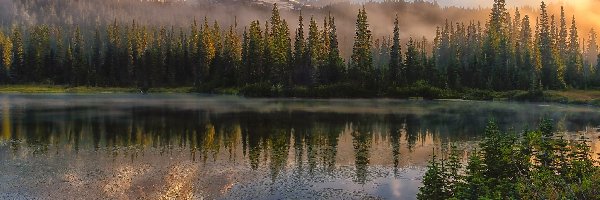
(217, 147)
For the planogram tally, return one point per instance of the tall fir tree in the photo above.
(361, 64)
(563, 34)
(395, 69)
(80, 69)
(254, 54)
(206, 53)
(495, 72)
(18, 57)
(525, 53)
(549, 62)
(281, 53)
(575, 74)
(412, 65)
(591, 50)
(313, 51)
(299, 58)
(96, 58)
(333, 72)
(5, 58)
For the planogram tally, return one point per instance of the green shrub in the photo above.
(535, 165)
(421, 89)
(258, 90)
(483, 95)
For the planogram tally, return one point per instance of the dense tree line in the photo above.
(538, 164)
(505, 53)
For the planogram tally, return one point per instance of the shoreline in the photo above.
(569, 96)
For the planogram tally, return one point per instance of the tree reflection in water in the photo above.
(303, 141)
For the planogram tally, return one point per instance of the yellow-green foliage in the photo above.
(5, 51)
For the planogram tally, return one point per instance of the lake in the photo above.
(130, 146)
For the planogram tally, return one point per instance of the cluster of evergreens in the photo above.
(533, 165)
(504, 54)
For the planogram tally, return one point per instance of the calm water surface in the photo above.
(127, 146)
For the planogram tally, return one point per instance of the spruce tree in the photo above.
(299, 54)
(563, 34)
(361, 70)
(526, 65)
(254, 54)
(443, 53)
(69, 64)
(395, 69)
(333, 72)
(266, 70)
(434, 183)
(549, 62)
(80, 70)
(495, 72)
(231, 55)
(280, 49)
(575, 74)
(411, 63)
(5, 58)
(18, 57)
(592, 48)
(206, 53)
(313, 51)
(96, 59)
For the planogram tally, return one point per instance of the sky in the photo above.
(488, 3)
(587, 12)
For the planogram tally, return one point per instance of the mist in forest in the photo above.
(417, 19)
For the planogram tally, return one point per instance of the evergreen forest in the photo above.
(509, 51)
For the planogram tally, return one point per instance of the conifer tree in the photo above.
(411, 62)
(5, 58)
(266, 70)
(549, 63)
(18, 51)
(495, 73)
(96, 59)
(361, 60)
(563, 34)
(69, 64)
(108, 71)
(206, 53)
(526, 74)
(434, 184)
(280, 49)
(80, 71)
(313, 51)
(395, 69)
(299, 54)
(592, 48)
(254, 54)
(231, 55)
(333, 71)
(575, 75)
